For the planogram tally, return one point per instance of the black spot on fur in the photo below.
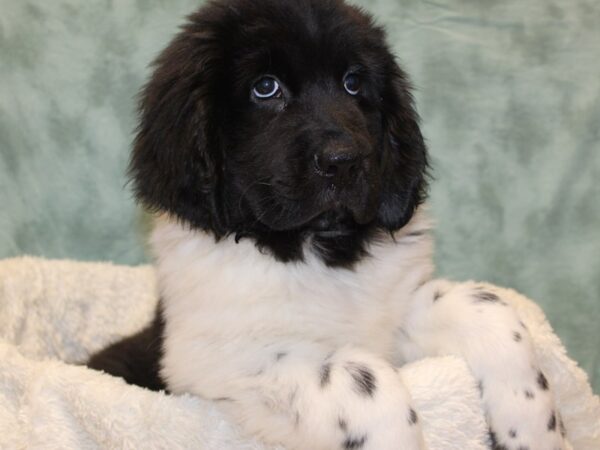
(325, 374)
(422, 283)
(563, 430)
(353, 443)
(342, 424)
(493, 442)
(364, 379)
(517, 336)
(552, 422)
(292, 396)
(280, 355)
(412, 417)
(542, 381)
(480, 387)
(222, 399)
(492, 439)
(529, 395)
(487, 297)
(512, 433)
(437, 296)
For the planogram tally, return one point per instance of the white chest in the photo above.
(224, 303)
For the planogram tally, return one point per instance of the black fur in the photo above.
(486, 297)
(552, 422)
(517, 337)
(529, 395)
(325, 374)
(354, 443)
(412, 417)
(218, 159)
(542, 381)
(364, 380)
(136, 358)
(493, 441)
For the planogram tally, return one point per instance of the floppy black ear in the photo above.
(404, 180)
(176, 152)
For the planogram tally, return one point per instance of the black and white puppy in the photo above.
(280, 145)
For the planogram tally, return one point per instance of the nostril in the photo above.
(331, 170)
(323, 167)
(336, 164)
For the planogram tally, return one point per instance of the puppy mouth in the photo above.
(340, 210)
(335, 220)
(331, 209)
(333, 223)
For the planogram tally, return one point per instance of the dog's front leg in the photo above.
(308, 397)
(474, 321)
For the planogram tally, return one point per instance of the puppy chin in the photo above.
(332, 222)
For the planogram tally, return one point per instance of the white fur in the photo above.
(278, 344)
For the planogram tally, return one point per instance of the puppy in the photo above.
(281, 150)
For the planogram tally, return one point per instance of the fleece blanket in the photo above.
(53, 314)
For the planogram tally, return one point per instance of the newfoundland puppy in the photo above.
(281, 152)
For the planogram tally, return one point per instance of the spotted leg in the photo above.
(306, 397)
(475, 322)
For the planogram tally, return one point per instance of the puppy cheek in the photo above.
(366, 201)
(398, 203)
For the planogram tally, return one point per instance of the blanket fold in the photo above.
(53, 314)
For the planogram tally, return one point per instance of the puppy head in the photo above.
(281, 120)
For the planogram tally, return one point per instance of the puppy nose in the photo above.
(338, 163)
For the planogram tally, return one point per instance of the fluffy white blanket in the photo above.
(53, 314)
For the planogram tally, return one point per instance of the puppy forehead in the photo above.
(292, 35)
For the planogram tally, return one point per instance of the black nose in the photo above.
(338, 163)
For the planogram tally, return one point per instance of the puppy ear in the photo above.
(176, 151)
(405, 165)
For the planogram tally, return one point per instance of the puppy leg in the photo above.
(306, 397)
(135, 358)
(473, 321)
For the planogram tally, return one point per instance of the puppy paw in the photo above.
(523, 416)
(307, 397)
(374, 408)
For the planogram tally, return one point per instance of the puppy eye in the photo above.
(352, 83)
(266, 87)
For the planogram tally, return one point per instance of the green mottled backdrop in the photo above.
(509, 92)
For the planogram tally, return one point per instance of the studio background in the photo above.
(508, 91)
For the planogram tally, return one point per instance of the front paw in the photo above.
(523, 416)
(346, 400)
(371, 404)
